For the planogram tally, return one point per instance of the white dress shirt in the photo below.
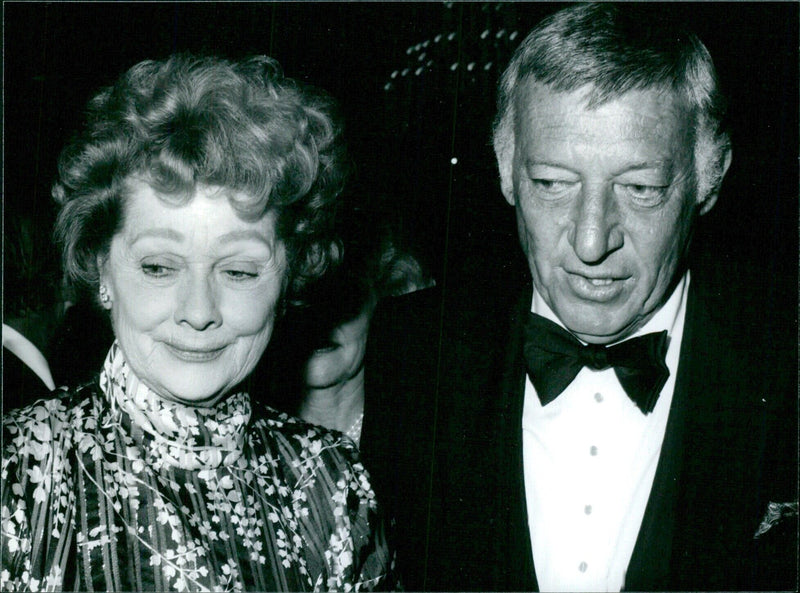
(590, 458)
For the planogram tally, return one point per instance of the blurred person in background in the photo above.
(334, 375)
(322, 344)
(330, 353)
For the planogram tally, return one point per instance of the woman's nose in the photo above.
(198, 304)
(596, 232)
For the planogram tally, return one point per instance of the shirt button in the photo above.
(593, 451)
(598, 397)
(583, 566)
(587, 509)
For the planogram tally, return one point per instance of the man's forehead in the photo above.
(634, 114)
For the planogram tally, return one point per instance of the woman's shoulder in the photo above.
(50, 422)
(320, 477)
(297, 434)
(300, 446)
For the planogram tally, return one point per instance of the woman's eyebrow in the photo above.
(158, 233)
(244, 234)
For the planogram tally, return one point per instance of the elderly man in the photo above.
(632, 433)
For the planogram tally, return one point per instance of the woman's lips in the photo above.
(195, 354)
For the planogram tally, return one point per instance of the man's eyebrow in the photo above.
(534, 162)
(648, 164)
(666, 163)
(663, 165)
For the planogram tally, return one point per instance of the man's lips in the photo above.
(598, 276)
(597, 287)
(600, 281)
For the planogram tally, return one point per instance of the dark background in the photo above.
(416, 82)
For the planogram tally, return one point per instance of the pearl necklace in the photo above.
(354, 432)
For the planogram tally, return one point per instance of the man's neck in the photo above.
(336, 407)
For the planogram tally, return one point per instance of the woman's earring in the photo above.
(105, 298)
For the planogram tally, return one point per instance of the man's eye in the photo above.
(157, 270)
(645, 194)
(552, 186)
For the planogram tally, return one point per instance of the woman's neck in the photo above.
(337, 407)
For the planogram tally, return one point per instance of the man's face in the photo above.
(605, 201)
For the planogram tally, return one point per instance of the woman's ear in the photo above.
(105, 292)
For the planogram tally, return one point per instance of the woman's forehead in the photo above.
(207, 214)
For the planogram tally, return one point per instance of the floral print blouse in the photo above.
(110, 488)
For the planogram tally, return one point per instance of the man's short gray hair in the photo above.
(613, 50)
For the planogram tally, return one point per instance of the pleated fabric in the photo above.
(110, 488)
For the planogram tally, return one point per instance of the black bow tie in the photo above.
(554, 358)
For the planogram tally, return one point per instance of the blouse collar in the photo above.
(175, 434)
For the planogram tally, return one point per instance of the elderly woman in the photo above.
(198, 198)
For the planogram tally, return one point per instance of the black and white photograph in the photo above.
(400, 296)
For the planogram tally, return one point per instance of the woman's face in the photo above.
(343, 357)
(194, 290)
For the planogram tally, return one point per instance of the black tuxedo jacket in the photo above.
(442, 440)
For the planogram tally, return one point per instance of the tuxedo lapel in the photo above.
(650, 562)
(720, 454)
(702, 509)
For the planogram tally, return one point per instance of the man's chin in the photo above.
(596, 329)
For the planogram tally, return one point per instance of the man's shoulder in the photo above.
(741, 361)
(749, 307)
(740, 283)
(420, 308)
(444, 322)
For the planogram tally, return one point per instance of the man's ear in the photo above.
(707, 203)
(504, 151)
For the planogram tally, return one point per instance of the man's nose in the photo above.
(596, 232)
(197, 305)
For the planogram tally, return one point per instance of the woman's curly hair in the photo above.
(193, 120)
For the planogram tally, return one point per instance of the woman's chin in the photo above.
(193, 383)
(193, 394)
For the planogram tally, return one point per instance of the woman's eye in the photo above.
(239, 270)
(241, 274)
(157, 270)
